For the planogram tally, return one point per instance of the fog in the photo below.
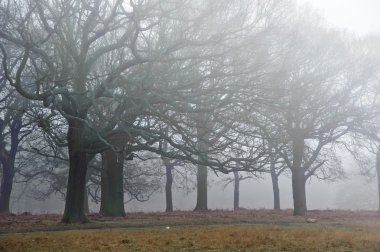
(356, 192)
(353, 194)
(299, 73)
(360, 17)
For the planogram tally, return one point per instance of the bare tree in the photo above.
(141, 178)
(277, 167)
(315, 104)
(80, 52)
(80, 58)
(15, 126)
(61, 50)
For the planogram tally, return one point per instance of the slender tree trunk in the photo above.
(276, 189)
(378, 173)
(89, 173)
(298, 178)
(6, 188)
(169, 177)
(74, 207)
(86, 205)
(168, 188)
(112, 190)
(276, 192)
(201, 188)
(236, 190)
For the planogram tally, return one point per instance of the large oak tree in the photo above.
(77, 56)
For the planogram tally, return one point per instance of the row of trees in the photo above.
(254, 86)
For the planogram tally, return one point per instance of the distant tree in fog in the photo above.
(364, 145)
(141, 177)
(363, 141)
(310, 98)
(178, 175)
(15, 126)
(315, 96)
(235, 180)
(277, 167)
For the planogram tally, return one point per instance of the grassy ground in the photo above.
(259, 230)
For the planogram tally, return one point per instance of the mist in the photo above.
(152, 107)
(355, 192)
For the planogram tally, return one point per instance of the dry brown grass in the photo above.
(243, 237)
(262, 230)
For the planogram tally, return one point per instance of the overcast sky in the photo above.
(358, 16)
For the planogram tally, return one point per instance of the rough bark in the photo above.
(74, 207)
(168, 188)
(112, 190)
(6, 188)
(298, 178)
(378, 173)
(236, 190)
(7, 158)
(203, 146)
(276, 189)
(201, 188)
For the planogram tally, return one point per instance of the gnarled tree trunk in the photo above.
(201, 189)
(298, 178)
(168, 188)
(6, 188)
(203, 147)
(7, 159)
(74, 207)
(236, 190)
(112, 190)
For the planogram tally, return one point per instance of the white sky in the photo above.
(358, 16)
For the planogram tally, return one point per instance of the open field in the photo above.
(246, 230)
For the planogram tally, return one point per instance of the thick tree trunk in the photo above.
(6, 189)
(8, 158)
(168, 188)
(74, 207)
(298, 178)
(203, 146)
(201, 189)
(236, 190)
(378, 173)
(112, 190)
(276, 189)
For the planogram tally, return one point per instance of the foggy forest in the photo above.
(164, 114)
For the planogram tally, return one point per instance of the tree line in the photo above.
(94, 90)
